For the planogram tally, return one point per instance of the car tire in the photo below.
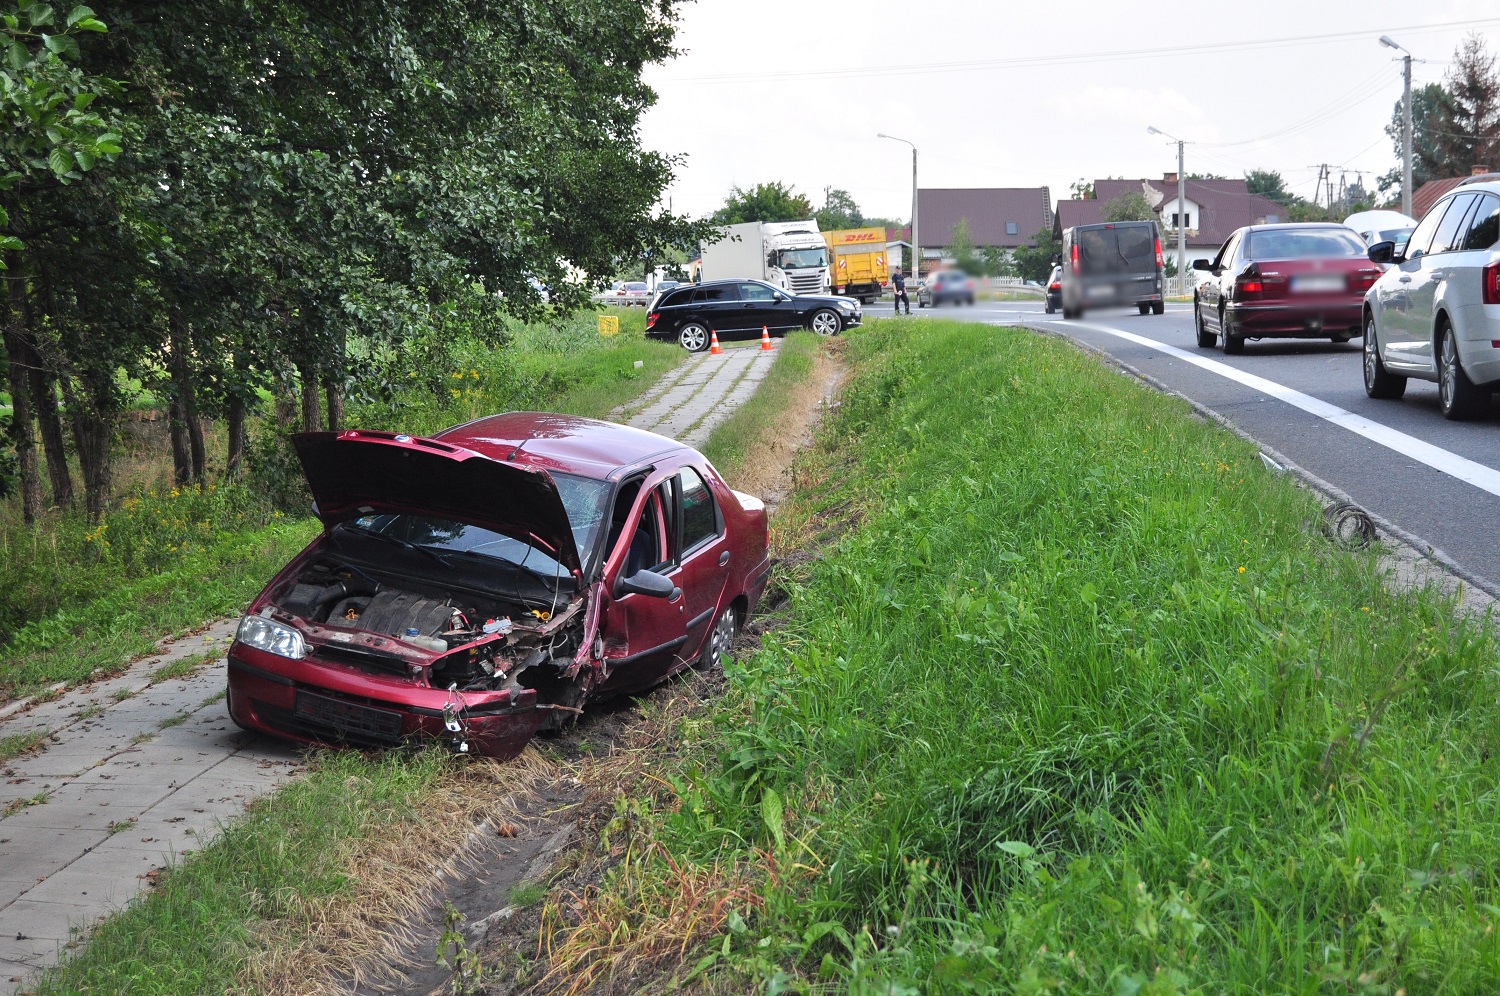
(921, 303)
(1457, 395)
(969, 302)
(720, 640)
(1048, 308)
(1232, 344)
(693, 337)
(1144, 307)
(1379, 382)
(1206, 339)
(1158, 307)
(825, 321)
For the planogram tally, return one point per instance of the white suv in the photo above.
(1435, 313)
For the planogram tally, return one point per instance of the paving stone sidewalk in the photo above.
(134, 772)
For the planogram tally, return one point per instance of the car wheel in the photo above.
(969, 301)
(1048, 308)
(1158, 307)
(693, 337)
(720, 641)
(1144, 307)
(825, 322)
(1232, 345)
(921, 303)
(1206, 339)
(1379, 382)
(1457, 395)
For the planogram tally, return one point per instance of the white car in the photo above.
(1381, 226)
(1435, 313)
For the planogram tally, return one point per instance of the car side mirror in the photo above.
(648, 583)
(1206, 265)
(1383, 252)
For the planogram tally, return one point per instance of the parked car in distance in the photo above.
(1435, 313)
(740, 309)
(635, 294)
(1294, 281)
(1052, 300)
(492, 581)
(1111, 264)
(954, 286)
(1381, 226)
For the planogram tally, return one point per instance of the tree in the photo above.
(1035, 262)
(1428, 120)
(1470, 118)
(1131, 206)
(1268, 184)
(961, 249)
(763, 202)
(1082, 190)
(838, 211)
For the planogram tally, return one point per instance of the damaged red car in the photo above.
(489, 582)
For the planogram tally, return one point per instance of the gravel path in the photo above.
(137, 770)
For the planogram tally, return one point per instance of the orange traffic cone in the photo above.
(713, 342)
(765, 338)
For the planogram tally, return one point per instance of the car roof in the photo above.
(568, 443)
(1297, 225)
(1483, 182)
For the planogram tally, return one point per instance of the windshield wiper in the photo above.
(550, 580)
(405, 544)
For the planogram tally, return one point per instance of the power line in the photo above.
(1069, 59)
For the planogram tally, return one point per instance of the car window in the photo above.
(675, 298)
(668, 495)
(1138, 245)
(700, 517)
(1484, 224)
(708, 295)
(1447, 234)
(1298, 243)
(1226, 252)
(1421, 236)
(756, 292)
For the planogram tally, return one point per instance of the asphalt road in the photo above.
(1374, 451)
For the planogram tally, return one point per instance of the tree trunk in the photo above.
(236, 424)
(335, 398)
(312, 419)
(20, 358)
(182, 461)
(93, 428)
(187, 399)
(44, 396)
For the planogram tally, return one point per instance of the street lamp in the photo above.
(916, 246)
(1405, 128)
(1181, 209)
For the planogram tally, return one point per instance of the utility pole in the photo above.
(1181, 210)
(1405, 126)
(916, 243)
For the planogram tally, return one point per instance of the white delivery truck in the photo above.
(789, 254)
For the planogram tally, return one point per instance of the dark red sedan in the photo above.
(489, 582)
(1303, 281)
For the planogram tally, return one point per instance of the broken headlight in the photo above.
(272, 637)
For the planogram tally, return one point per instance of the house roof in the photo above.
(1425, 196)
(987, 209)
(1076, 212)
(1224, 204)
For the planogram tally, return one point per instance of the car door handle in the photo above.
(724, 558)
(1439, 274)
(1406, 280)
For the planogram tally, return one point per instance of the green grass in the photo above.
(16, 805)
(752, 421)
(16, 744)
(196, 931)
(184, 666)
(1079, 700)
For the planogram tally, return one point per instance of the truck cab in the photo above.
(796, 256)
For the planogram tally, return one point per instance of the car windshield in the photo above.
(1298, 243)
(1127, 249)
(582, 497)
(796, 259)
(638, 286)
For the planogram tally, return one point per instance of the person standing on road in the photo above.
(898, 284)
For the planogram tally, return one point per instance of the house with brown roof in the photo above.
(1003, 217)
(1209, 213)
(1425, 196)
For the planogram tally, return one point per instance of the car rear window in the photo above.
(1294, 243)
(1120, 249)
(675, 298)
(729, 292)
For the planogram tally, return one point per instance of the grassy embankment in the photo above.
(335, 854)
(761, 423)
(78, 597)
(1078, 699)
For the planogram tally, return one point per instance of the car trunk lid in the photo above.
(360, 472)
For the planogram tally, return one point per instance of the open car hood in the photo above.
(359, 472)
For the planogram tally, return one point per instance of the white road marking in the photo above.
(1439, 459)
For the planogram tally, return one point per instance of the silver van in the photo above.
(1112, 264)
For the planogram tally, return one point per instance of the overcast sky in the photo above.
(1002, 94)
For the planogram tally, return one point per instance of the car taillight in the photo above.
(1249, 283)
(968, 285)
(1075, 258)
(1158, 251)
(1490, 282)
(1363, 280)
(1054, 285)
(651, 318)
